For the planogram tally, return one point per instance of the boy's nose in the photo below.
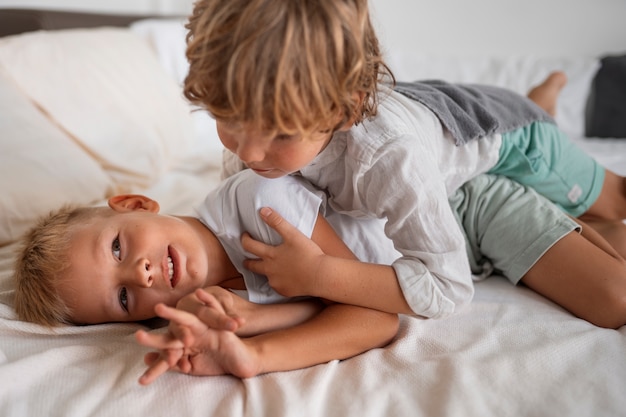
(142, 273)
(250, 152)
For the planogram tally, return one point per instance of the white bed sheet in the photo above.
(511, 353)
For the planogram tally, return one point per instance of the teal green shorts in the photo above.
(508, 226)
(544, 158)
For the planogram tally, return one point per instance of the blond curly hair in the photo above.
(292, 66)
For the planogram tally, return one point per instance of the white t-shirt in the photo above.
(233, 207)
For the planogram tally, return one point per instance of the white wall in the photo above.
(450, 27)
(502, 27)
(121, 6)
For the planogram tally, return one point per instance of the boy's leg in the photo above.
(611, 203)
(581, 272)
(546, 94)
(613, 231)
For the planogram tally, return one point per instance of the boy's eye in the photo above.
(123, 298)
(284, 137)
(116, 247)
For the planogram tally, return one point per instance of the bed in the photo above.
(91, 109)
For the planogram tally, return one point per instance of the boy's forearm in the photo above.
(353, 282)
(338, 332)
(222, 306)
(263, 318)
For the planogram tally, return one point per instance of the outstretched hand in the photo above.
(193, 347)
(291, 267)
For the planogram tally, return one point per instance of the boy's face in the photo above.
(123, 264)
(271, 155)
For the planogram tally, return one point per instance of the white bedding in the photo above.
(511, 353)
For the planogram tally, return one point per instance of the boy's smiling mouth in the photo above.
(172, 267)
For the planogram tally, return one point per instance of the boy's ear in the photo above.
(132, 202)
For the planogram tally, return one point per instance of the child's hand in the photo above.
(291, 266)
(216, 307)
(206, 351)
(171, 352)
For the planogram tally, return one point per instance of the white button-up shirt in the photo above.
(401, 166)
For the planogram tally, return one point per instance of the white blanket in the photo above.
(511, 353)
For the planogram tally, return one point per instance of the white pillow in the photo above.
(105, 87)
(167, 39)
(42, 168)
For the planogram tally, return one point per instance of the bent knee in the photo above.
(611, 312)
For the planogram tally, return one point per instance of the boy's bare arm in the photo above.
(228, 311)
(338, 332)
(319, 267)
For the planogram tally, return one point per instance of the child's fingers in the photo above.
(182, 318)
(184, 327)
(255, 247)
(184, 364)
(210, 300)
(182, 333)
(278, 223)
(157, 341)
(170, 356)
(151, 358)
(155, 370)
(217, 314)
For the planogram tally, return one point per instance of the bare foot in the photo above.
(546, 94)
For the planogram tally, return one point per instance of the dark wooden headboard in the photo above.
(16, 21)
